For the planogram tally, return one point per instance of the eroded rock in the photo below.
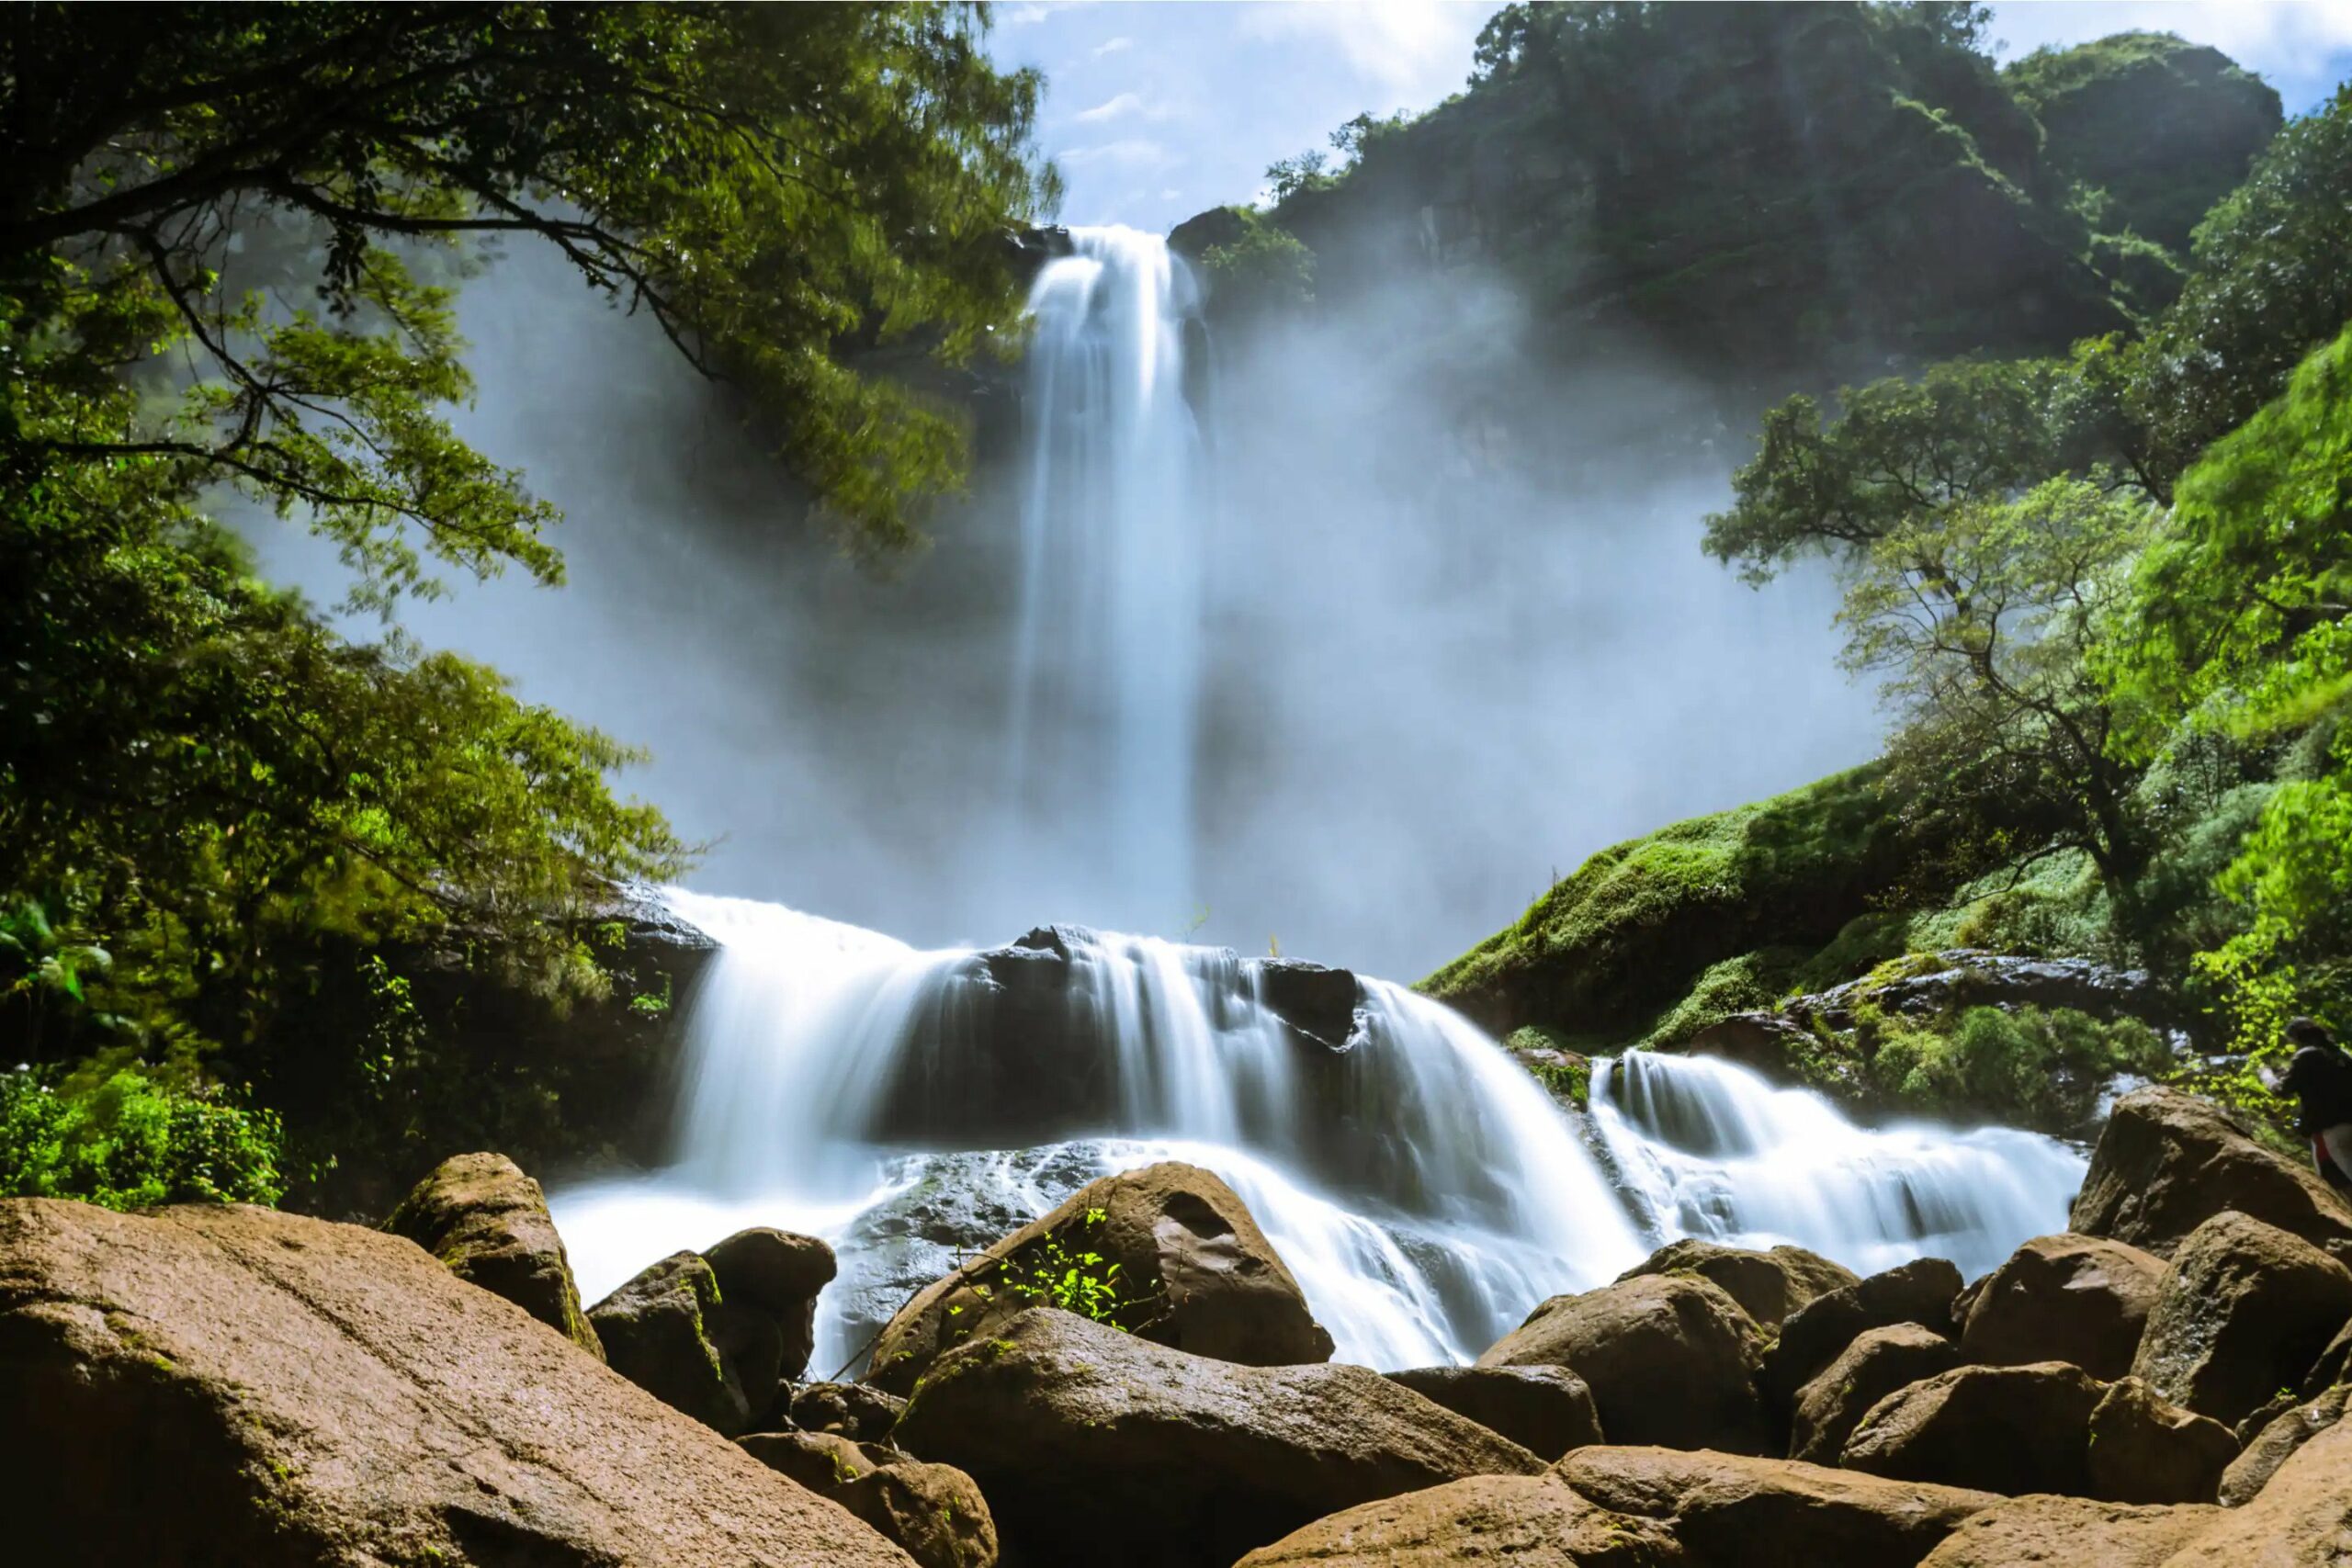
(778, 1275)
(2302, 1519)
(1546, 1410)
(1768, 1285)
(1921, 1291)
(933, 1511)
(2245, 1310)
(1527, 1522)
(2070, 1532)
(2276, 1443)
(488, 1222)
(2167, 1161)
(2064, 1298)
(2007, 1429)
(2144, 1449)
(850, 1410)
(658, 1332)
(1879, 1362)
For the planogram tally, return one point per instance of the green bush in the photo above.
(125, 1141)
(2032, 1067)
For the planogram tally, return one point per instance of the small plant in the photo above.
(1061, 1268)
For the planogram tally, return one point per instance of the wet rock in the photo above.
(1921, 1291)
(1671, 1360)
(1527, 1522)
(1318, 1002)
(2245, 1311)
(1879, 1362)
(657, 1331)
(2007, 1429)
(1763, 1043)
(2071, 1532)
(1192, 1271)
(933, 1511)
(1080, 1434)
(1768, 1285)
(2276, 1442)
(485, 1220)
(2064, 1298)
(1771, 1513)
(236, 1385)
(2302, 1518)
(777, 1275)
(2144, 1449)
(2168, 1161)
(849, 1410)
(1546, 1410)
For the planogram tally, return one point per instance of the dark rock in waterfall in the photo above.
(1314, 999)
(1546, 1410)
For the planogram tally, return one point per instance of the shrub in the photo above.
(2032, 1066)
(125, 1141)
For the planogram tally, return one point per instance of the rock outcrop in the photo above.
(849, 1410)
(489, 1223)
(1527, 1522)
(1671, 1360)
(657, 1331)
(774, 1275)
(2277, 1441)
(234, 1385)
(2144, 1449)
(1879, 1362)
(2007, 1429)
(1546, 1410)
(1765, 1513)
(1921, 1291)
(2245, 1310)
(2302, 1519)
(2064, 1298)
(2168, 1161)
(2070, 1532)
(933, 1511)
(1080, 1436)
(1194, 1272)
(1768, 1285)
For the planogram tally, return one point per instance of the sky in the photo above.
(1157, 110)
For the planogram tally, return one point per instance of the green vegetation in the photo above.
(1062, 1269)
(235, 843)
(2030, 1067)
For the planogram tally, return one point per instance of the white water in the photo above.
(1424, 1190)
(1107, 651)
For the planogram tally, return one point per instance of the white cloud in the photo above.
(1112, 108)
(1113, 46)
(1022, 16)
(1133, 152)
(1416, 48)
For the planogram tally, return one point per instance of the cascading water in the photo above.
(1705, 1148)
(1424, 1190)
(1107, 651)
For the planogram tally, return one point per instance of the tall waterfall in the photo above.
(1424, 1190)
(1107, 651)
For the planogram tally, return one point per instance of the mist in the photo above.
(1458, 633)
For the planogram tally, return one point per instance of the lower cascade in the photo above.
(912, 1106)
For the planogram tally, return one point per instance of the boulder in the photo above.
(2008, 1429)
(234, 1385)
(2167, 1161)
(1768, 1285)
(2276, 1443)
(1771, 1513)
(1082, 1436)
(2245, 1310)
(2070, 1532)
(489, 1223)
(659, 1331)
(2064, 1298)
(1671, 1360)
(1546, 1410)
(1919, 1292)
(850, 1410)
(933, 1511)
(777, 1275)
(2143, 1450)
(2302, 1519)
(1879, 1362)
(1194, 1272)
(2334, 1366)
(1526, 1521)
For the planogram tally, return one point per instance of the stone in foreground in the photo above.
(1525, 1521)
(2007, 1429)
(2071, 1532)
(2167, 1161)
(933, 1511)
(1919, 1292)
(2245, 1311)
(1768, 1285)
(489, 1223)
(2143, 1450)
(1082, 1436)
(1546, 1410)
(2064, 1298)
(234, 1385)
(1879, 1362)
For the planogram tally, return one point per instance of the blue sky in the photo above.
(1156, 110)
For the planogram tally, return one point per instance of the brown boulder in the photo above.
(1080, 1436)
(1879, 1362)
(2302, 1519)
(2167, 1161)
(2145, 1450)
(1768, 1285)
(1546, 1410)
(2334, 1366)
(662, 1331)
(1527, 1522)
(1194, 1272)
(489, 1223)
(2070, 1532)
(933, 1511)
(1919, 1292)
(853, 1411)
(2276, 1443)
(234, 1385)
(2008, 1429)
(1739, 1512)
(1671, 1360)
(2245, 1310)
(2064, 1298)
(777, 1275)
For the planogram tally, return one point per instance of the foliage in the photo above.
(125, 1140)
(2030, 1067)
(1056, 1271)
(1263, 271)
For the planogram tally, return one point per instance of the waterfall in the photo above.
(1107, 647)
(1706, 1148)
(910, 1104)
